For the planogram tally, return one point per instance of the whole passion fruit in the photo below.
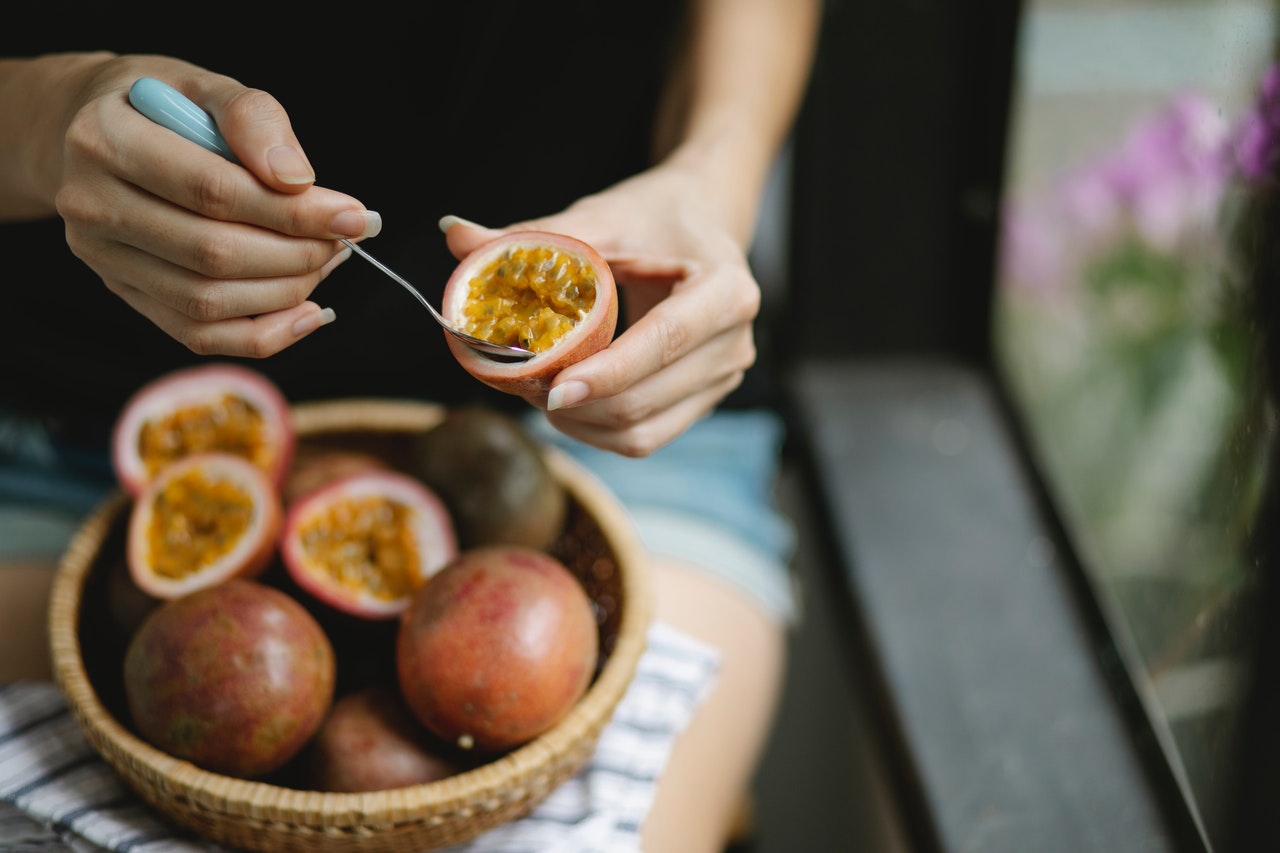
(492, 475)
(214, 407)
(370, 742)
(497, 648)
(364, 543)
(316, 467)
(202, 520)
(548, 293)
(235, 678)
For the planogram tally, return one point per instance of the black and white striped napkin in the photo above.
(58, 796)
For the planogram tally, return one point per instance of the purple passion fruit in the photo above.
(371, 742)
(497, 648)
(235, 678)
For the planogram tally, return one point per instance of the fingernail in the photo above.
(357, 223)
(308, 324)
(335, 262)
(447, 222)
(289, 166)
(567, 394)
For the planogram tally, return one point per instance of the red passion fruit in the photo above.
(548, 293)
(202, 520)
(370, 742)
(364, 543)
(213, 407)
(497, 648)
(313, 468)
(235, 678)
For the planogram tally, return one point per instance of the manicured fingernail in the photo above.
(335, 262)
(567, 394)
(357, 223)
(289, 166)
(311, 322)
(447, 222)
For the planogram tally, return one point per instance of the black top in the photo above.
(480, 109)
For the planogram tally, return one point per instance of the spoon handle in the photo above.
(168, 107)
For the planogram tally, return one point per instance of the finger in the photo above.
(258, 130)
(245, 337)
(696, 311)
(724, 359)
(172, 168)
(200, 297)
(463, 236)
(647, 436)
(222, 249)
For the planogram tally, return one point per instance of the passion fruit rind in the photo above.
(209, 408)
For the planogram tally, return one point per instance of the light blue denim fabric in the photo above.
(46, 487)
(707, 498)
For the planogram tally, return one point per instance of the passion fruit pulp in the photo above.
(364, 543)
(210, 408)
(202, 520)
(549, 293)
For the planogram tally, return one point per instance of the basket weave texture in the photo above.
(598, 544)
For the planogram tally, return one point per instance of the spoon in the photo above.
(168, 107)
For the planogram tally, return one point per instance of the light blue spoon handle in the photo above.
(166, 106)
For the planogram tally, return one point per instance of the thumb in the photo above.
(464, 236)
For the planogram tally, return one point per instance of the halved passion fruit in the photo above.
(202, 520)
(211, 408)
(365, 543)
(548, 293)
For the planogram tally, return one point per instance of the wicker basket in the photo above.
(598, 544)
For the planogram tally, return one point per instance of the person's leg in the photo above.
(704, 509)
(712, 764)
(24, 603)
(46, 489)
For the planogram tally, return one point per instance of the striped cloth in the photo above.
(58, 796)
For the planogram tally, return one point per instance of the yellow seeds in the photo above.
(232, 425)
(196, 520)
(530, 297)
(365, 544)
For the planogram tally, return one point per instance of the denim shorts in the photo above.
(705, 499)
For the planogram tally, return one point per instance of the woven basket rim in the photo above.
(452, 796)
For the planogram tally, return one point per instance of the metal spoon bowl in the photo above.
(487, 347)
(168, 107)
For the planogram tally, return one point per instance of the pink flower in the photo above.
(1257, 142)
(1164, 184)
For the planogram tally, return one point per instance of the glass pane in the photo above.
(1140, 139)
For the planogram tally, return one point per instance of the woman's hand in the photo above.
(222, 257)
(690, 300)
